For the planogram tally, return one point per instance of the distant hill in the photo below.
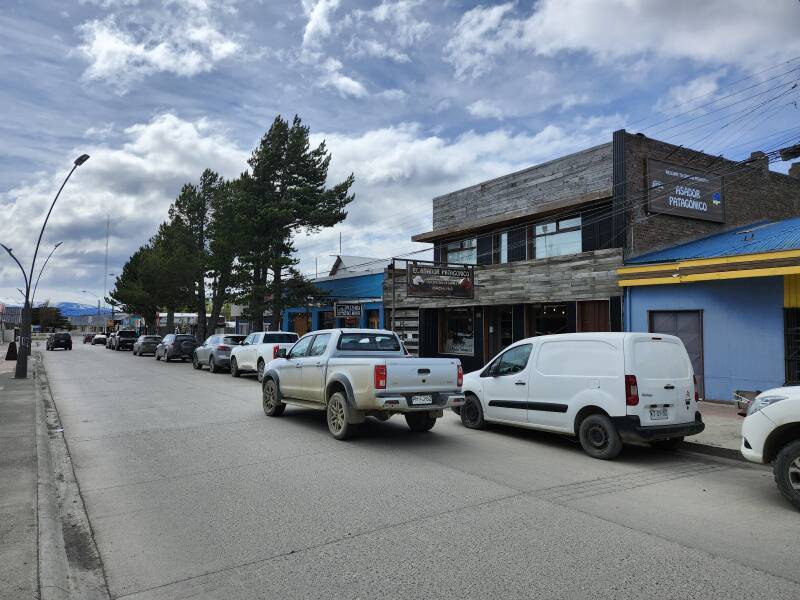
(68, 309)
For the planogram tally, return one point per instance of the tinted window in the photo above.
(127, 334)
(319, 345)
(300, 349)
(578, 358)
(169, 338)
(62, 336)
(234, 340)
(373, 342)
(514, 360)
(280, 338)
(151, 338)
(184, 337)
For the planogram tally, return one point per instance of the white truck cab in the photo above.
(258, 349)
(605, 388)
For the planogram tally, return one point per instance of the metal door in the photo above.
(688, 326)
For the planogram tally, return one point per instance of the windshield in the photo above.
(373, 342)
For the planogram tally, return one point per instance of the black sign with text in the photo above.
(440, 281)
(684, 192)
(343, 311)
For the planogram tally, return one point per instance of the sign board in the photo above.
(345, 310)
(684, 192)
(427, 280)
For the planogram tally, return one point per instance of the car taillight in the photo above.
(380, 377)
(696, 393)
(275, 352)
(460, 379)
(631, 390)
(222, 347)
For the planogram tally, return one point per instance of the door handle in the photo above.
(669, 386)
(519, 383)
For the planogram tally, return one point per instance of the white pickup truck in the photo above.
(258, 349)
(355, 373)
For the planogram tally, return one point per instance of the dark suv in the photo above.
(176, 345)
(59, 340)
(124, 339)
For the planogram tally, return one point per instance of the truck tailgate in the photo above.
(414, 375)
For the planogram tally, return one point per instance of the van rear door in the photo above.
(664, 378)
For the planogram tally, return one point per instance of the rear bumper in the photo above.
(440, 400)
(631, 430)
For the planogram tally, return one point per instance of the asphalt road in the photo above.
(192, 492)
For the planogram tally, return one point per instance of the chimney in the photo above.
(794, 170)
(759, 159)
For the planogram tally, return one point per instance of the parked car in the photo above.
(87, 338)
(771, 434)
(124, 340)
(110, 340)
(175, 345)
(59, 340)
(216, 352)
(604, 388)
(146, 344)
(100, 338)
(258, 349)
(356, 373)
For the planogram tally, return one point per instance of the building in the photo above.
(541, 247)
(734, 300)
(352, 298)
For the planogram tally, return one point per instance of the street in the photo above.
(192, 492)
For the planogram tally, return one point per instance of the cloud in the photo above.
(318, 26)
(333, 77)
(183, 38)
(698, 91)
(485, 109)
(134, 182)
(711, 32)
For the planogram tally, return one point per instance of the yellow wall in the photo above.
(791, 291)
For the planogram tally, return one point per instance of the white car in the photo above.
(258, 349)
(100, 338)
(605, 388)
(771, 434)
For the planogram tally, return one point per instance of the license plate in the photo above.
(658, 414)
(422, 399)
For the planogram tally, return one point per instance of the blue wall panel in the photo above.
(743, 345)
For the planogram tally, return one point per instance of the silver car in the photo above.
(216, 352)
(146, 344)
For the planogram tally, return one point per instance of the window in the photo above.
(233, 340)
(372, 342)
(319, 345)
(512, 361)
(280, 338)
(464, 252)
(558, 238)
(248, 340)
(300, 349)
(210, 340)
(457, 333)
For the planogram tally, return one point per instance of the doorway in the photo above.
(688, 326)
(499, 328)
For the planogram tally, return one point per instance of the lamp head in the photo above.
(81, 159)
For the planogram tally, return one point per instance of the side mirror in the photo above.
(281, 353)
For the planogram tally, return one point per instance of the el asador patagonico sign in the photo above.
(684, 192)
(428, 280)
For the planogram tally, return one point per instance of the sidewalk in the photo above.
(722, 436)
(18, 484)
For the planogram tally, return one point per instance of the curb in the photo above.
(718, 451)
(69, 562)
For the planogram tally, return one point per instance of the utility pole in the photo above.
(105, 265)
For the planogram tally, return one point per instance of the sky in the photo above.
(415, 98)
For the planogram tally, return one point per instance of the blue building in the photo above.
(734, 300)
(353, 298)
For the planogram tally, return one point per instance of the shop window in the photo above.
(457, 331)
(557, 238)
(326, 320)
(373, 319)
(464, 252)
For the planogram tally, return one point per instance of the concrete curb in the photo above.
(713, 451)
(69, 562)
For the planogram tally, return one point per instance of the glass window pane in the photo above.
(545, 228)
(515, 360)
(504, 247)
(568, 223)
(558, 244)
(458, 331)
(319, 345)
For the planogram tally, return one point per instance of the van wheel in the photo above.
(338, 417)
(234, 368)
(269, 399)
(787, 473)
(668, 444)
(599, 437)
(472, 413)
(420, 422)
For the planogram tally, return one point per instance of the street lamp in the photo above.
(21, 371)
(36, 285)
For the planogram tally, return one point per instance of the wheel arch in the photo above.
(585, 411)
(340, 383)
(779, 437)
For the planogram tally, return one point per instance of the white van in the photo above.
(605, 388)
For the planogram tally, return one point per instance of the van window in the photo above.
(658, 359)
(513, 360)
(578, 358)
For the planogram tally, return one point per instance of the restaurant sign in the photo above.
(345, 310)
(426, 280)
(684, 192)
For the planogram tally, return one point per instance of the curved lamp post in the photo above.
(21, 371)
(36, 285)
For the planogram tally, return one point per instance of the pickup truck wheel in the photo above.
(420, 422)
(260, 370)
(269, 399)
(787, 473)
(668, 444)
(234, 367)
(472, 413)
(338, 416)
(599, 437)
